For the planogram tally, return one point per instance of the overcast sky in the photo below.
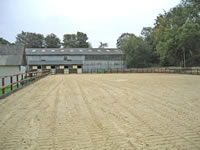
(101, 20)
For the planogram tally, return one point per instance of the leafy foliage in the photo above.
(30, 40)
(137, 52)
(177, 35)
(4, 42)
(123, 38)
(78, 40)
(52, 41)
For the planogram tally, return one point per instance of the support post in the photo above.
(11, 81)
(3, 84)
(22, 78)
(17, 80)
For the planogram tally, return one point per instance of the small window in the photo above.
(52, 50)
(43, 50)
(39, 67)
(66, 67)
(53, 67)
(79, 67)
(65, 58)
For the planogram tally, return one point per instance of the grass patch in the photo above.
(8, 89)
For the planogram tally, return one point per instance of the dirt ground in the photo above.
(103, 111)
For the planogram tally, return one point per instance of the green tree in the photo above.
(123, 37)
(30, 40)
(82, 40)
(78, 40)
(176, 35)
(52, 41)
(148, 35)
(69, 41)
(4, 42)
(137, 52)
(103, 45)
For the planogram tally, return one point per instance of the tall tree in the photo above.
(30, 40)
(177, 35)
(82, 40)
(148, 35)
(137, 52)
(123, 37)
(78, 40)
(4, 42)
(69, 41)
(52, 41)
(103, 45)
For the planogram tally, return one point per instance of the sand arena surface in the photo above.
(103, 111)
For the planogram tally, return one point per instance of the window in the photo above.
(65, 58)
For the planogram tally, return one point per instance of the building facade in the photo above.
(12, 61)
(74, 60)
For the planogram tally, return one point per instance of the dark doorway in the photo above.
(60, 71)
(71, 70)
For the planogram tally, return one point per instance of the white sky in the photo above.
(101, 20)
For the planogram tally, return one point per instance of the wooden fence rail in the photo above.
(189, 70)
(19, 80)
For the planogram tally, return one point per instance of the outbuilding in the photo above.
(12, 60)
(74, 60)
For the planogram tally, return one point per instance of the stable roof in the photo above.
(12, 55)
(72, 51)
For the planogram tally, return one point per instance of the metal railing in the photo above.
(12, 82)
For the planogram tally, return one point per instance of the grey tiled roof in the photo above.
(72, 51)
(12, 55)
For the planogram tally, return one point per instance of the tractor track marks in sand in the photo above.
(103, 111)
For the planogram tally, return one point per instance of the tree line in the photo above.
(173, 41)
(37, 40)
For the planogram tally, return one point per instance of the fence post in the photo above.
(11, 81)
(3, 83)
(22, 78)
(17, 80)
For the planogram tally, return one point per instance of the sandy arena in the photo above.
(103, 112)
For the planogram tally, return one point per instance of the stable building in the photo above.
(74, 60)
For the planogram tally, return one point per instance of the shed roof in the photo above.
(72, 51)
(12, 55)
